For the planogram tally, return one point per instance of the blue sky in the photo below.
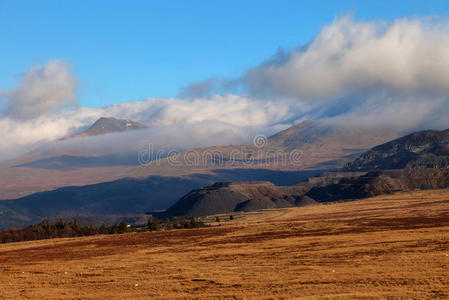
(130, 50)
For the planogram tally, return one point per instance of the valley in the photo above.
(224, 150)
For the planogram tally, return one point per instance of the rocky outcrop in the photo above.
(231, 197)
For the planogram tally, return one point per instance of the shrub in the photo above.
(154, 224)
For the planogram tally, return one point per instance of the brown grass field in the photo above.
(394, 246)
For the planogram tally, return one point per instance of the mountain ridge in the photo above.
(421, 149)
(416, 161)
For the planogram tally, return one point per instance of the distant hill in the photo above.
(230, 197)
(114, 184)
(110, 125)
(124, 196)
(380, 182)
(314, 145)
(422, 149)
(416, 161)
(322, 146)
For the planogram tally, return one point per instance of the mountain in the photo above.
(312, 145)
(326, 137)
(416, 161)
(227, 197)
(422, 149)
(123, 196)
(110, 125)
(163, 183)
(330, 187)
(309, 145)
(70, 184)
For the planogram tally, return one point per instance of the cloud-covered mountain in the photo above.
(365, 74)
(110, 125)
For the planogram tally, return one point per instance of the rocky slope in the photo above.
(230, 197)
(380, 182)
(423, 149)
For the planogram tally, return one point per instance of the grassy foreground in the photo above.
(388, 246)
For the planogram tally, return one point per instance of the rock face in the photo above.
(419, 150)
(110, 125)
(231, 197)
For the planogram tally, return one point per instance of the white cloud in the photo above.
(375, 74)
(232, 109)
(42, 89)
(176, 123)
(347, 57)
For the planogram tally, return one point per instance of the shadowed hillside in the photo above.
(422, 149)
(125, 196)
(232, 197)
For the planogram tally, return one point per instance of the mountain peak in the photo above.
(106, 125)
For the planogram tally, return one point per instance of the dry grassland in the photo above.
(393, 246)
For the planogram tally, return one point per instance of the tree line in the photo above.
(71, 228)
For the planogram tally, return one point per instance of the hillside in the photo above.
(205, 199)
(308, 145)
(319, 147)
(231, 197)
(118, 185)
(123, 196)
(329, 187)
(386, 247)
(422, 149)
(380, 182)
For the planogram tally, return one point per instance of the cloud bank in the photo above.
(175, 123)
(346, 57)
(407, 56)
(371, 73)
